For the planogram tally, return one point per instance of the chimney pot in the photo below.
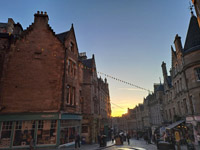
(38, 12)
(45, 13)
(41, 12)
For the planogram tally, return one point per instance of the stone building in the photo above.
(197, 9)
(139, 117)
(156, 107)
(131, 122)
(182, 86)
(91, 104)
(40, 87)
(105, 106)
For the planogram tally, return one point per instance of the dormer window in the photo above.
(197, 70)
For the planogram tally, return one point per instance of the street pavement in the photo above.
(111, 146)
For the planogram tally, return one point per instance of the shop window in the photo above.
(68, 129)
(46, 133)
(24, 132)
(198, 73)
(6, 134)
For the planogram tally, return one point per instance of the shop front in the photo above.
(45, 129)
(194, 123)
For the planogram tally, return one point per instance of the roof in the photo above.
(160, 88)
(3, 25)
(174, 124)
(61, 36)
(87, 62)
(192, 41)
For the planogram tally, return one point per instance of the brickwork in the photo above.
(33, 72)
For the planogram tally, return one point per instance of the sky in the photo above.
(129, 38)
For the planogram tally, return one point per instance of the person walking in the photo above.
(77, 141)
(128, 138)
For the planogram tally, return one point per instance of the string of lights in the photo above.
(119, 80)
(117, 105)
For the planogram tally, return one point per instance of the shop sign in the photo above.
(197, 118)
(47, 116)
(189, 119)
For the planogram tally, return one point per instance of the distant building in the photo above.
(104, 107)
(91, 104)
(182, 86)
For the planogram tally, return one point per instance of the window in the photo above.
(70, 95)
(84, 129)
(185, 104)
(24, 132)
(191, 105)
(6, 134)
(71, 68)
(72, 47)
(170, 114)
(46, 133)
(179, 107)
(68, 130)
(198, 73)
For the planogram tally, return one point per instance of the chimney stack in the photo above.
(177, 43)
(41, 17)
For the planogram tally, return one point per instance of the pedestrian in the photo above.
(146, 138)
(198, 138)
(128, 139)
(32, 144)
(77, 141)
(112, 138)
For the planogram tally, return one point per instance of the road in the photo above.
(139, 144)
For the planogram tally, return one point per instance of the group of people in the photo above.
(123, 138)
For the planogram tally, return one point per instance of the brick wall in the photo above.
(32, 79)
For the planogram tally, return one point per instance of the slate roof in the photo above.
(61, 36)
(160, 88)
(192, 41)
(87, 63)
(3, 25)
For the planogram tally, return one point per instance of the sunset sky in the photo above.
(130, 38)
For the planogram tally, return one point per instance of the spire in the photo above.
(193, 35)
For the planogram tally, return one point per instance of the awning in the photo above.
(175, 124)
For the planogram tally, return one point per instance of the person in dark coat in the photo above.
(128, 138)
(77, 141)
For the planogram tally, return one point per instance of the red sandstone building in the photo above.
(48, 91)
(40, 85)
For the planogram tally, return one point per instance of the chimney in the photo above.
(83, 56)
(41, 17)
(177, 43)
